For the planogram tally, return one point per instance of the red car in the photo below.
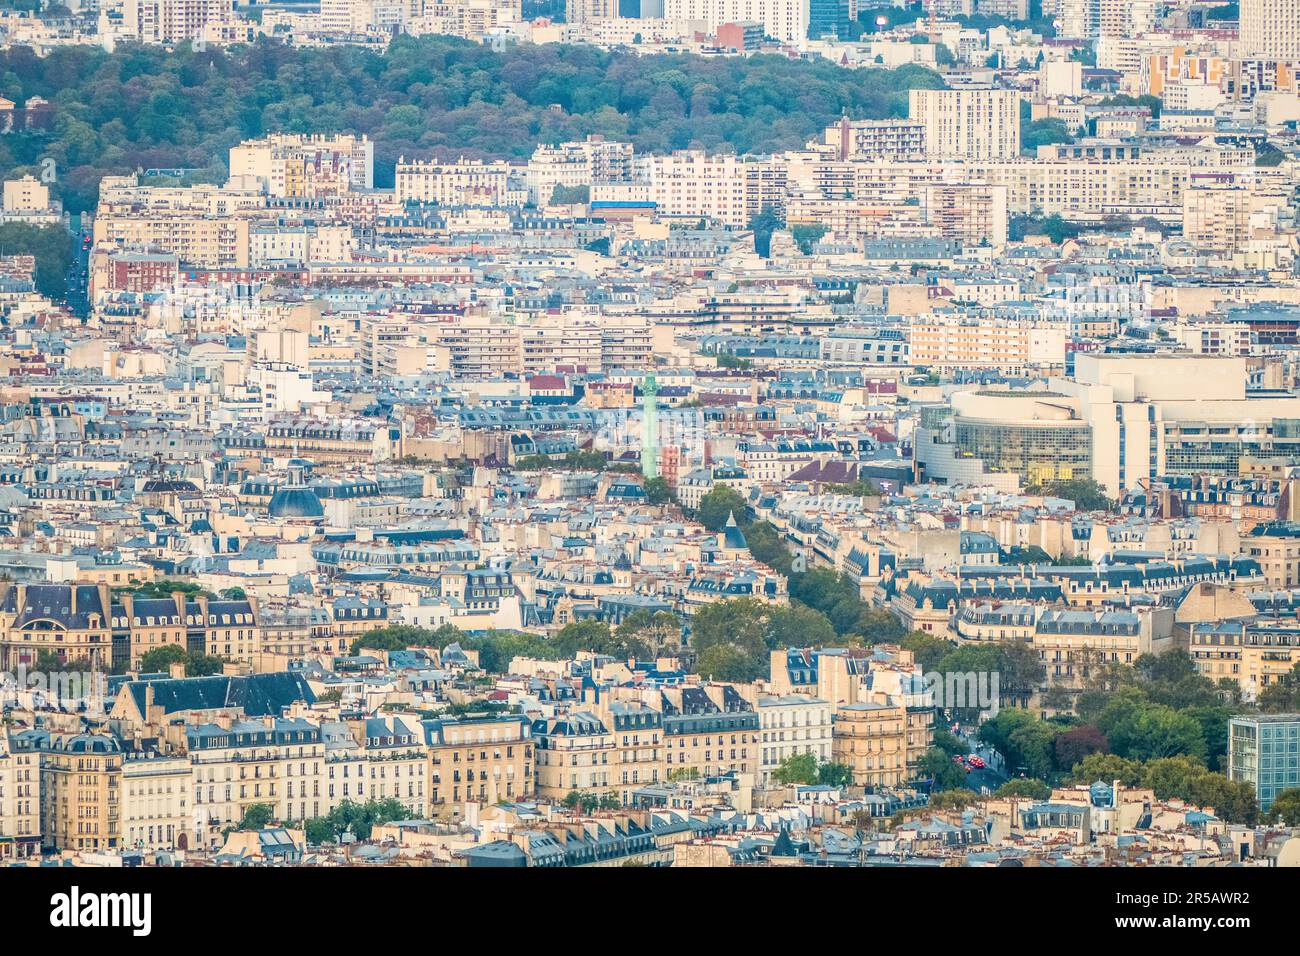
(976, 762)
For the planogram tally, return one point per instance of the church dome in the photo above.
(299, 502)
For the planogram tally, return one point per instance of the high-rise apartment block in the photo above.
(969, 124)
(1270, 29)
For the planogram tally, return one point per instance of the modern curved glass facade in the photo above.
(1037, 451)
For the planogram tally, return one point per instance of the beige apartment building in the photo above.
(236, 763)
(200, 241)
(27, 194)
(785, 20)
(890, 139)
(480, 346)
(574, 164)
(478, 759)
(569, 339)
(291, 165)
(227, 629)
(81, 792)
(1217, 215)
(870, 738)
(155, 801)
(975, 214)
(20, 801)
(162, 21)
(462, 183)
(1255, 656)
(1270, 29)
(1277, 550)
(471, 19)
(698, 184)
(1080, 188)
(969, 124)
(709, 730)
(575, 752)
(791, 725)
(396, 761)
(1088, 190)
(950, 343)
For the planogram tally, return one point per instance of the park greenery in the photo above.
(51, 247)
(162, 107)
(733, 639)
(1157, 723)
(641, 634)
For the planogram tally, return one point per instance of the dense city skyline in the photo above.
(680, 434)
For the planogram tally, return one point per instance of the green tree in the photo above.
(1025, 741)
(658, 491)
(956, 798)
(1283, 695)
(1020, 672)
(739, 625)
(160, 659)
(763, 224)
(1106, 768)
(257, 816)
(797, 626)
(717, 507)
(50, 662)
(49, 245)
(927, 649)
(835, 775)
(766, 545)
(660, 630)
(1286, 807)
(796, 769)
(1054, 227)
(948, 742)
(596, 637)
(317, 830)
(806, 235)
(938, 766)
(858, 489)
(567, 195)
(1140, 730)
(728, 360)
(398, 637)
(203, 665)
(166, 588)
(1024, 787)
(496, 649)
(726, 662)
(1087, 494)
(1042, 132)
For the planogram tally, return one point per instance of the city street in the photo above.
(79, 274)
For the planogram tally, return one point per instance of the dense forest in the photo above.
(153, 108)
